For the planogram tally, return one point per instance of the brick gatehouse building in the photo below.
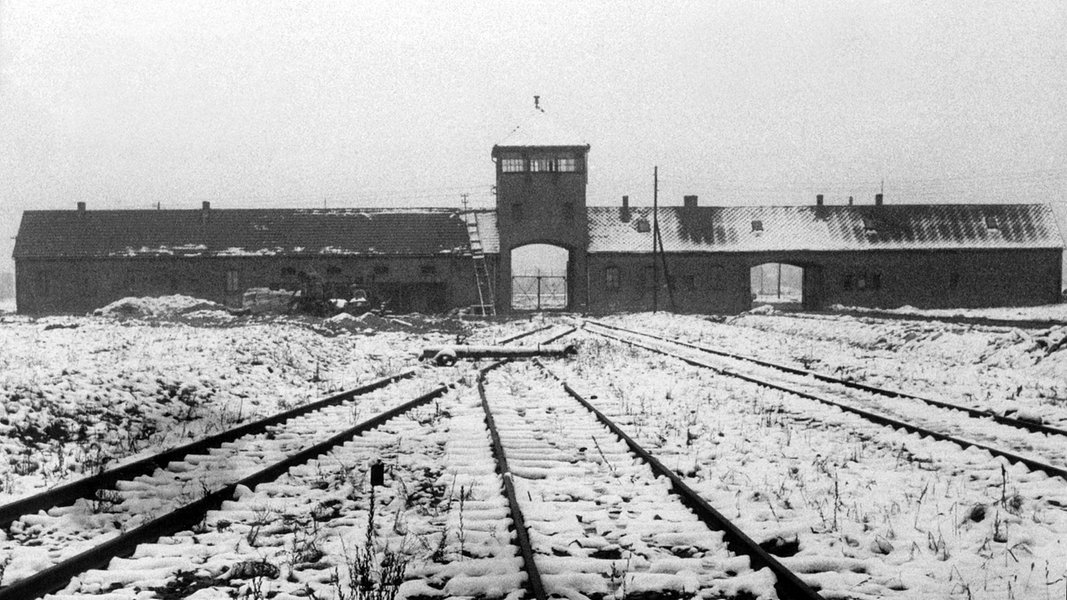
(876, 255)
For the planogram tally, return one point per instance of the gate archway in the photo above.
(539, 277)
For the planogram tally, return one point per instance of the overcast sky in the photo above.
(252, 104)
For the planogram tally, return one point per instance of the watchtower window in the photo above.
(757, 226)
(513, 165)
(553, 164)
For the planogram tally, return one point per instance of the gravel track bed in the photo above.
(39, 541)
(859, 510)
(440, 513)
(601, 524)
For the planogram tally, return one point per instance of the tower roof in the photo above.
(538, 129)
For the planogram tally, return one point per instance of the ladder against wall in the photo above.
(486, 298)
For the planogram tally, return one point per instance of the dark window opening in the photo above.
(611, 278)
(288, 272)
(757, 226)
(233, 281)
(428, 270)
(991, 222)
(717, 277)
(954, 281)
(513, 165)
(516, 211)
(846, 282)
(333, 270)
(642, 226)
(568, 211)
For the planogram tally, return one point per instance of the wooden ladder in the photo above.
(486, 298)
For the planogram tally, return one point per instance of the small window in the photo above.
(642, 226)
(516, 211)
(540, 165)
(611, 278)
(717, 277)
(568, 211)
(846, 282)
(757, 226)
(381, 269)
(233, 281)
(876, 281)
(568, 165)
(428, 269)
(513, 165)
(991, 222)
(869, 226)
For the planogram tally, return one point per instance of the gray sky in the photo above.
(251, 104)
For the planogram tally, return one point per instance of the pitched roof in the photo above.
(887, 227)
(240, 232)
(539, 129)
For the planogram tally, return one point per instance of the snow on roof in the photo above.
(538, 129)
(240, 232)
(826, 228)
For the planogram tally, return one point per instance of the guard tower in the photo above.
(541, 179)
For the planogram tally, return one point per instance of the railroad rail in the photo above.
(620, 334)
(532, 442)
(873, 315)
(1030, 426)
(183, 517)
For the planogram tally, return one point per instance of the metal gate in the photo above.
(538, 292)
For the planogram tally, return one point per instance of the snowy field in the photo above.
(858, 510)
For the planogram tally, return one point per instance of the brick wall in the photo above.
(80, 285)
(719, 283)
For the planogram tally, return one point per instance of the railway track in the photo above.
(990, 429)
(116, 511)
(957, 323)
(601, 521)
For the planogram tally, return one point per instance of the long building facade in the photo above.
(421, 260)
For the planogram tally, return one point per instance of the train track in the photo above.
(265, 462)
(958, 323)
(599, 521)
(698, 356)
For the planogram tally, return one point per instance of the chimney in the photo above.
(850, 200)
(878, 199)
(81, 207)
(206, 205)
(818, 200)
(624, 210)
(689, 201)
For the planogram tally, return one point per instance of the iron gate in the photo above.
(538, 292)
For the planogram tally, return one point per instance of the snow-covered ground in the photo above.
(859, 510)
(80, 394)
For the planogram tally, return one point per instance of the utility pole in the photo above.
(655, 232)
(464, 197)
(779, 281)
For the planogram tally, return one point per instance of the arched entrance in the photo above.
(539, 277)
(780, 285)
